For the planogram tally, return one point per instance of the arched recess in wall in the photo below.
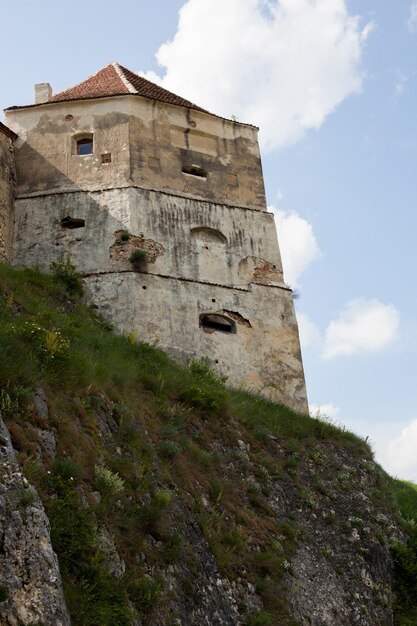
(211, 254)
(209, 235)
(216, 322)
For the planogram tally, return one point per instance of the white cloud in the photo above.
(281, 64)
(401, 453)
(394, 445)
(401, 82)
(309, 333)
(412, 17)
(364, 325)
(367, 30)
(325, 410)
(297, 242)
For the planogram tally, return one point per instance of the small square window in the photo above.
(85, 146)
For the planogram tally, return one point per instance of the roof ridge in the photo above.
(81, 81)
(181, 101)
(121, 73)
(146, 80)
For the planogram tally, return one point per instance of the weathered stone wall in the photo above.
(208, 244)
(7, 178)
(263, 355)
(199, 240)
(149, 143)
(200, 260)
(46, 158)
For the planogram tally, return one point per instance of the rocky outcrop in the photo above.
(202, 595)
(30, 582)
(342, 568)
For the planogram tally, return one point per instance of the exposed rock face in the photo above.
(203, 596)
(341, 568)
(30, 580)
(339, 573)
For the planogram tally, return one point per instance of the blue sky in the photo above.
(333, 86)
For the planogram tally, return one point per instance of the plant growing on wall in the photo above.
(138, 258)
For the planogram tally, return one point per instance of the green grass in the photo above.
(405, 555)
(162, 421)
(264, 418)
(96, 359)
(3, 594)
(138, 256)
(405, 494)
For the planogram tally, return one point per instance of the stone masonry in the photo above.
(7, 180)
(117, 165)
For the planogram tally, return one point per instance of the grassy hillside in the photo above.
(405, 556)
(142, 444)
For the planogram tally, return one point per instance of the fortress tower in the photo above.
(161, 206)
(7, 181)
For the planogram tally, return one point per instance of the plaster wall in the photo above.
(264, 353)
(185, 238)
(149, 143)
(209, 245)
(7, 177)
(164, 139)
(46, 158)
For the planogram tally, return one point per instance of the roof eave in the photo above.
(118, 95)
(8, 132)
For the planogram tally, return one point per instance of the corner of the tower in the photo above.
(7, 186)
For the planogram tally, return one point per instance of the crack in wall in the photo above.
(185, 280)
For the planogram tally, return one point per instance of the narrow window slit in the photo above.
(72, 222)
(194, 170)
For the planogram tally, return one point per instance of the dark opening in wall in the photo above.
(72, 222)
(194, 170)
(84, 145)
(211, 321)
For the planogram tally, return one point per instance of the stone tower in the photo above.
(7, 180)
(161, 206)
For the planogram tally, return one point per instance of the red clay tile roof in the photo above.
(6, 131)
(114, 80)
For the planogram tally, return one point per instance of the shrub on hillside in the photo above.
(65, 272)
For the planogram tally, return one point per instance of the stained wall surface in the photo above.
(149, 143)
(7, 178)
(262, 355)
(209, 246)
(185, 238)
